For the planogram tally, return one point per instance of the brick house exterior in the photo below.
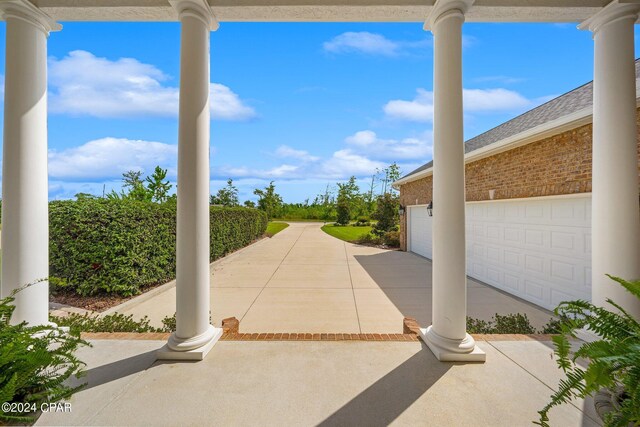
(529, 204)
(555, 165)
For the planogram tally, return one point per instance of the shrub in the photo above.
(234, 228)
(35, 364)
(115, 322)
(362, 221)
(370, 239)
(391, 238)
(343, 211)
(122, 246)
(501, 324)
(614, 359)
(119, 246)
(110, 323)
(387, 214)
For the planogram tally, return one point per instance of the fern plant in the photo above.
(35, 364)
(614, 359)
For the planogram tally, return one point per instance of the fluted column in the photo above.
(25, 212)
(615, 210)
(194, 335)
(447, 337)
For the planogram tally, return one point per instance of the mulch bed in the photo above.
(100, 302)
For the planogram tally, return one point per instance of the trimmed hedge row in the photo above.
(121, 246)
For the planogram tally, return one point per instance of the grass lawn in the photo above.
(348, 233)
(274, 228)
(300, 220)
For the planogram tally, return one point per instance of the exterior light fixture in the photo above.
(401, 210)
(430, 208)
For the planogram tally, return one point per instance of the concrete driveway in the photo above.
(303, 280)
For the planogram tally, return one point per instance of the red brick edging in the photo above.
(306, 337)
(231, 327)
(317, 337)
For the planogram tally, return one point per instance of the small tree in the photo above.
(389, 175)
(226, 196)
(343, 210)
(349, 196)
(133, 187)
(268, 200)
(386, 213)
(157, 187)
(249, 204)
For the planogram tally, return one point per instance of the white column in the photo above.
(615, 209)
(195, 335)
(25, 212)
(447, 336)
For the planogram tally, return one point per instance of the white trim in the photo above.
(521, 199)
(28, 12)
(612, 12)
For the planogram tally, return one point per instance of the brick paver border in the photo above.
(231, 328)
(306, 337)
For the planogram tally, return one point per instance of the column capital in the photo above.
(612, 12)
(199, 9)
(26, 11)
(444, 8)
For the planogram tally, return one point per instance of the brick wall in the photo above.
(560, 164)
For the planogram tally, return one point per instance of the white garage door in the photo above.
(538, 249)
(419, 227)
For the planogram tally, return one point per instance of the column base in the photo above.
(448, 350)
(195, 348)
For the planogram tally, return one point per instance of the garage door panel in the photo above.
(419, 231)
(537, 249)
(544, 255)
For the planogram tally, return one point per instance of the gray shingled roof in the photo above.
(561, 106)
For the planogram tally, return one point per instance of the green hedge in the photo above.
(121, 246)
(234, 228)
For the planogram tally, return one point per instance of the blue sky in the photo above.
(301, 104)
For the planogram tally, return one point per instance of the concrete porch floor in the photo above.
(303, 280)
(318, 383)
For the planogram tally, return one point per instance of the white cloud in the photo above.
(363, 153)
(345, 163)
(476, 100)
(83, 84)
(108, 158)
(500, 79)
(368, 144)
(281, 171)
(371, 44)
(420, 109)
(362, 42)
(285, 151)
(227, 105)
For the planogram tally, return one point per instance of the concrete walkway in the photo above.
(318, 383)
(303, 280)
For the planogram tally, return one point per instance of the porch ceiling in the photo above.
(323, 10)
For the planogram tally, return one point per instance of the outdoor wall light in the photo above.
(401, 210)
(430, 208)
